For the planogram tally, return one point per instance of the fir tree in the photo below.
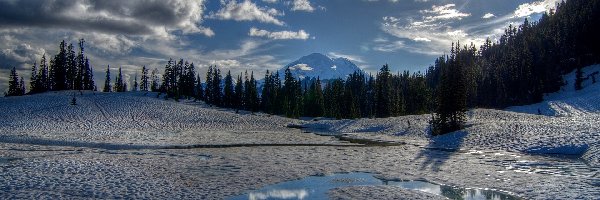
(58, 72)
(155, 85)
(216, 87)
(144, 80)
(120, 85)
(88, 76)
(107, 86)
(34, 82)
(71, 67)
(22, 90)
(208, 96)
(238, 94)
(199, 89)
(383, 92)
(135, 83)
(43, 80)
(82, 69)
(228, 91)
(14, 86)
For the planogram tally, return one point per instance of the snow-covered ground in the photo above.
(111, 145)
(569, 123)
(136, 120)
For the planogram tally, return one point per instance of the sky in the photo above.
(253, 35)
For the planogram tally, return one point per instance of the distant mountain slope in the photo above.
(319, 65)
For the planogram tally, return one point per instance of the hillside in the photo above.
(116, 120)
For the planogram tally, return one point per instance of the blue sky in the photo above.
(251, 35)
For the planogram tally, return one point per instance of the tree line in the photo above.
(67, 71)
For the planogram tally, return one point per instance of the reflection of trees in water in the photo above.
(462, 194)
(495, 195)
(452, 193)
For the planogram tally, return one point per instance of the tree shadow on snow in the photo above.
(440, 149)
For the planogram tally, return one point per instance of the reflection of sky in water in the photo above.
(278, 194)
(418, 185)
(316, 187)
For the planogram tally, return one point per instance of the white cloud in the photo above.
(280, 35)
(444, 12)
(528, 9)
(302, 5)
(353, 58)
(421, 39)
(488, 15)
(246, 11)
(228, 63)
(270, 1)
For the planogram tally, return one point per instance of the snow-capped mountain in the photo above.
(319, 65)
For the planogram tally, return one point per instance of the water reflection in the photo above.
(316, 187)
(278, 194)
(451, 192)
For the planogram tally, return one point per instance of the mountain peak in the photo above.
(319, 65)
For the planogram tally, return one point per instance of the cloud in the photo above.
(280, 35)
(270, 1)
(246, 11)
(444, 12)
(528, 9)
(146, 17)
(302, 5)
(228, 63)
(488, 15)
(353, 58)
(432, 31)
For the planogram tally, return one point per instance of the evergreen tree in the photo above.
(291, 92)
(276, 97)
(34, 83)
(238, 94)
(383, 92)
(246, 100)
(81, 67)
(169, 79)
(208, 96)
(144, 85)
(14, 86)
(313, 100)
(43, 80)
(216, 98)
(228, 92)
(107, 86)
(188, 80)
(199, 89)
(451, 96)
(253, 94)
(155, 85)
(135, 83)
(88, 76)
(58, 71)
(265, 103)
(71, 67)
(22, 90)
(120, 85)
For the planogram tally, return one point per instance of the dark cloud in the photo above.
(142, 17)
